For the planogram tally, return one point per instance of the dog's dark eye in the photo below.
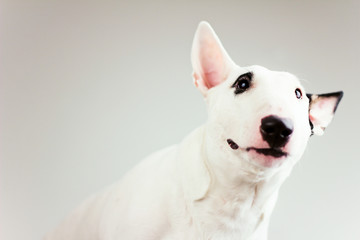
(242, 83)
(298, 93)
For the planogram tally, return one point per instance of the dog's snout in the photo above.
(276, 131)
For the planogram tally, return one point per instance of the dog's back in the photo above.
(136, 205)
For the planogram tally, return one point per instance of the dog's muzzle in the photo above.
(276, 131)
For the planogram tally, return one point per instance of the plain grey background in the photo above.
(89, 88)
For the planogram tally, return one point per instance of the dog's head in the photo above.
(256, 116)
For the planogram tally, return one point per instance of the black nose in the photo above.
(276, 131)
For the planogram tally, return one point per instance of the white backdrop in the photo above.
(89, 88)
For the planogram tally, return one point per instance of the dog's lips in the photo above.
(274, 152)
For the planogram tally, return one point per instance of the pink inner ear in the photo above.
(325, 105)
(212, 78)
(212, 64)
(322, 111)
(312, 119)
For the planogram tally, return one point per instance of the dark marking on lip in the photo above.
(269, 152)
(232, 144)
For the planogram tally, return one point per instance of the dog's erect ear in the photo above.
(211, 63)
(322, 109)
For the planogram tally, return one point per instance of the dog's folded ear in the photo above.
(322, 109)
(210, 61)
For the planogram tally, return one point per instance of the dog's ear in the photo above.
(322, 108)
(210, 61)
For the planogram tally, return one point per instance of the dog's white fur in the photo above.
(202, 188)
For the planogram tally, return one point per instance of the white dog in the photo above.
(223, 180)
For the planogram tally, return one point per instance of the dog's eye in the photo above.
(298, 93)
(242, 83)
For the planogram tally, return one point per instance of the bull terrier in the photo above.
(222, 181)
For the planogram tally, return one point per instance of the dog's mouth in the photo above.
(277, 153)
(274, 152)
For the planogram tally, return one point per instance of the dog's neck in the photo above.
(245, 209)
(240, 194)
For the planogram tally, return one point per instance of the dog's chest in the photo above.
(230, 219)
